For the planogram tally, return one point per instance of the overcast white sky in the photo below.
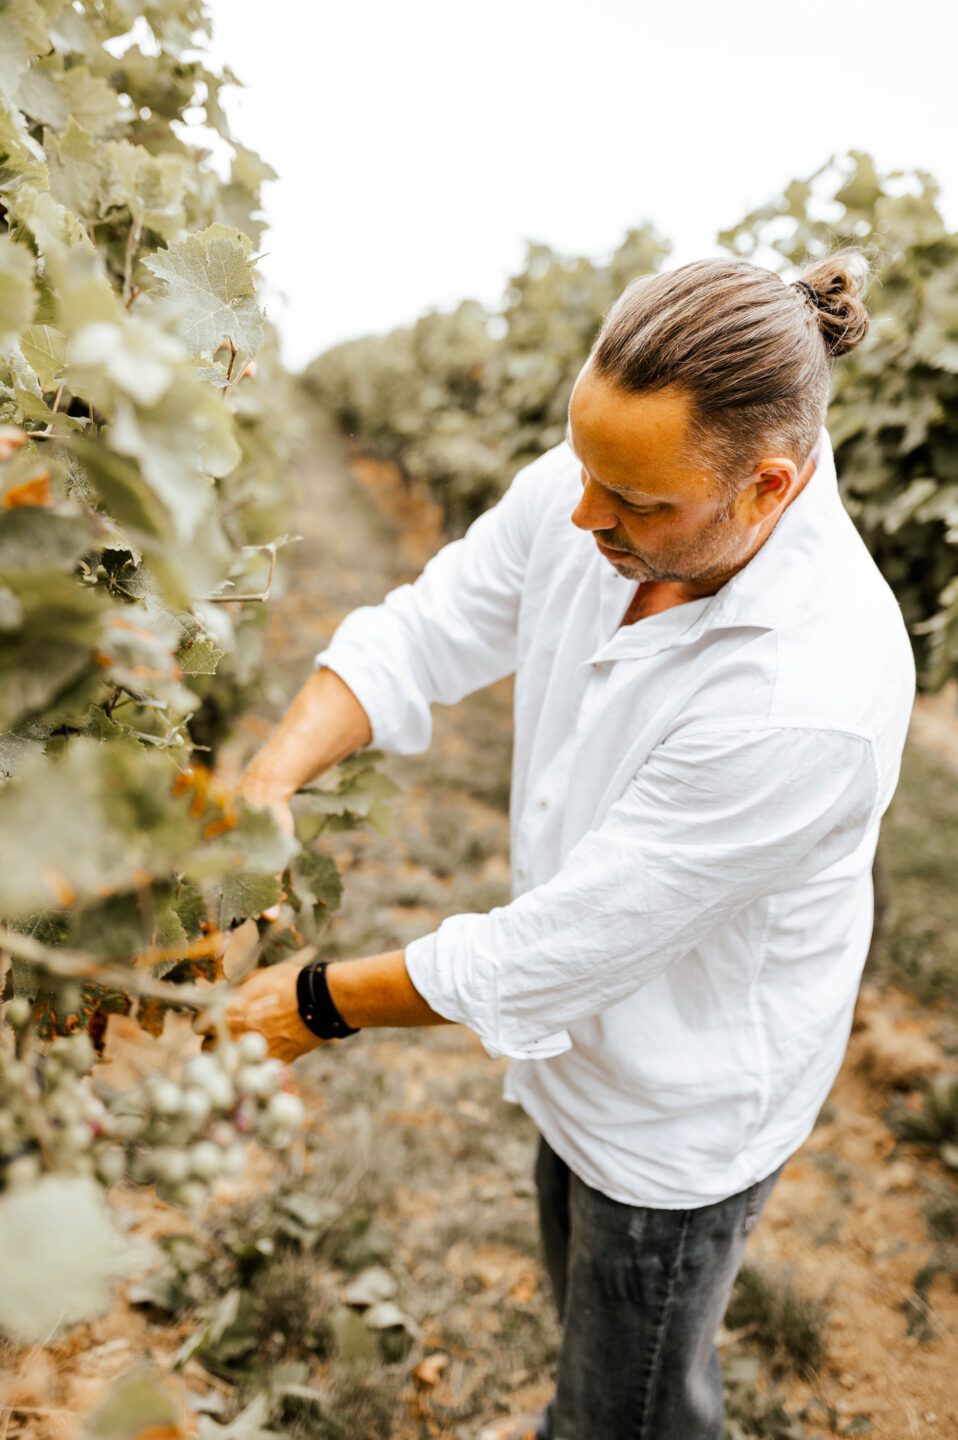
(419, 142)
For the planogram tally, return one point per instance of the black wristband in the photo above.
(316, 1006)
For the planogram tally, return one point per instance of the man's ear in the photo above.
(775, 482)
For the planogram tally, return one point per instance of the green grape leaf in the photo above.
(22, 156)
(152, 187)
(38, 539)
(139, 359)
(91, 820)
(249, 169)
(249, 1424)
(209, 290)
(53, 226)
(45, 350)
(74, 165)
(181, 442)
(51, 647)
(317, 880)
(200, 657)
(188, 903)
(118, 482)
(240, 896)
(60, 1253)
(113, 927)
(23, 34)
(16, 290)
(92, 101)
(136, 1404)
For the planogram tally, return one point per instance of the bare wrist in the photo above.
(259, 780)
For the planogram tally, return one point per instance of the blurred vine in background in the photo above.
(148, 434)
(893, 418)
(462, 400)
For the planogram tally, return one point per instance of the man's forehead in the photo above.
(620, 485)
(634, 444)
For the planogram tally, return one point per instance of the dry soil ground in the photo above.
(448, 1162)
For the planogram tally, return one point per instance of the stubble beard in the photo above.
(714, 552)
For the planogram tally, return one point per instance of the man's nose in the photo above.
(594, 511)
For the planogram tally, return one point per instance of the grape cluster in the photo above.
(178, 1135)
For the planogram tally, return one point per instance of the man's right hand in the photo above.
(323, 725)
(266, 796)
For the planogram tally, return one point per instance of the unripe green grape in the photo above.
(250, 1081)
(165, 1096)
(110, 1164)
(66, 1104)
(285, 1110)
(222, 1133)
(196, 1105)
(69, 999)
(77, 1052)
(261, 1080)
(252, 1047)
(95, 1112)
(199, 1069)
(245, 1117)
(169, 1165)
(234, 1158)
(126, 1127)
(22, 1171)
(191, 1194)
(18, 1012)
(220, 1090)
(78, 1136)
(278, 1137)
(141, 1167)
(229, 1057)
(204, 1071)
(205, 1160)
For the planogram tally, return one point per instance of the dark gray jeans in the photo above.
(641, 1293)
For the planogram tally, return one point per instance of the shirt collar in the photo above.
(763, 594)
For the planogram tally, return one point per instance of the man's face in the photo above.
(661, 516)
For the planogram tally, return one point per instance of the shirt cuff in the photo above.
(430, 964)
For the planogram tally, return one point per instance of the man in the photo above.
(713, 688)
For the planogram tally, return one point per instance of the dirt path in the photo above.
(846, 1219)
(445, 1164)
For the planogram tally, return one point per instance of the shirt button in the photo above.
(543, 804)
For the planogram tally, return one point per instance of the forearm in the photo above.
(377, 990)
(324, 724)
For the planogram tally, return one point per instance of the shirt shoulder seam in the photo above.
(719, 727)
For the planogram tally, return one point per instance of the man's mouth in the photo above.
(610, 549)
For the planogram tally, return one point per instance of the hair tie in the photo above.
(807, 291)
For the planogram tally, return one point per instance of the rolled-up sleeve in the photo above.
(715, 819)
(451, 631)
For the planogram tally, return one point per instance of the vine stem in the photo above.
(70, 964)
(132, 241)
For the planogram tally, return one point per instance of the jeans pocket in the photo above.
(753, 1204)
(755, 1197)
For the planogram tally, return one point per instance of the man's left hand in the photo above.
(266, 1002)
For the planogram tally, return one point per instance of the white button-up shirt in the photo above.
(695, 807)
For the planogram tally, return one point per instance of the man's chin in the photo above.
(629, 566)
